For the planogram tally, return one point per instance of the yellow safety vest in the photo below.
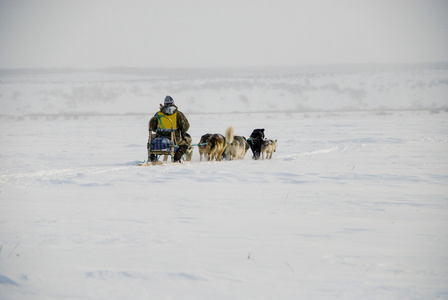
(164, 123)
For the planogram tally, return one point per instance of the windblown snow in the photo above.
(353, 205)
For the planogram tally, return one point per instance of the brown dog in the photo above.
(215, 144)
(202, 147)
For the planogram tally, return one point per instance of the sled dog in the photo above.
(216, 143)
(237, 146)
(255, 141)
(202, 147)
(268, 147)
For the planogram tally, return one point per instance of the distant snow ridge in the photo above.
(115, 93)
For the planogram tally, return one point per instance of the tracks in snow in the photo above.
(58, 175)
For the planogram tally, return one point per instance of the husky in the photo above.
(216, 144)
(237, 146)
(202, 147)
(255, 141)
(268, 147)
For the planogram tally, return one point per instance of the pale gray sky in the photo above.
(227, 33)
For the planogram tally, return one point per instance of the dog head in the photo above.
(205, 138)
(257, 134)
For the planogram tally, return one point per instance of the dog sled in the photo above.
(163, 142)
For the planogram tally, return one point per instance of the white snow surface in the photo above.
(353, 205)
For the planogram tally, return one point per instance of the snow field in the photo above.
(352, 205)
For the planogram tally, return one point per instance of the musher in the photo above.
(181, 124)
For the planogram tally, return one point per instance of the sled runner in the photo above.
(163, 141)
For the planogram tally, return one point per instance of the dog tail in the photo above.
(229, 134)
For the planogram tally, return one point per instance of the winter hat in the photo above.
(168, 100)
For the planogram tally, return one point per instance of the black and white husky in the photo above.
(256, 141)
(237, 146)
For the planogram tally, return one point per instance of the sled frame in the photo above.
(165, 152)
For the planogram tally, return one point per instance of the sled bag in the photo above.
(160, 143)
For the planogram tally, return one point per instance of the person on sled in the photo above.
(183, 139)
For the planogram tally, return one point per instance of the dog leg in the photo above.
(219, 156)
